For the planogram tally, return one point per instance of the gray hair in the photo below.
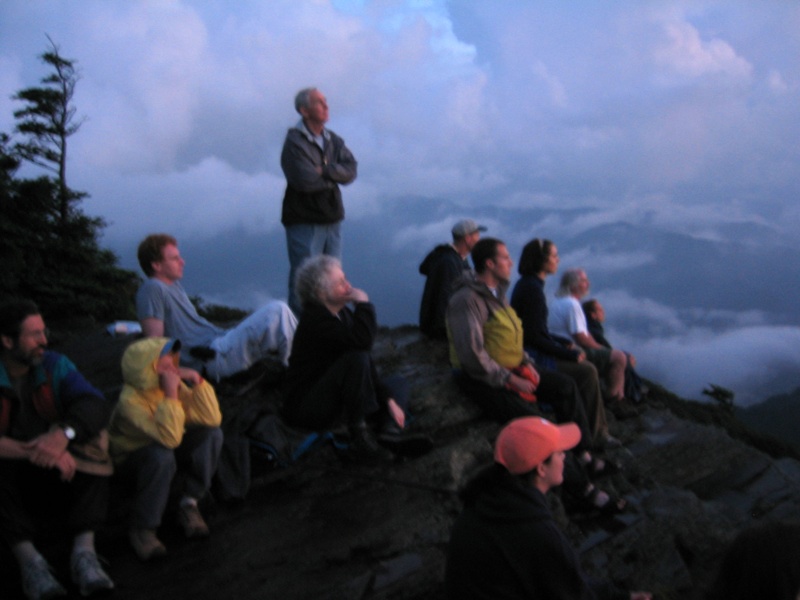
(301, 100)
(313, 278)
(568, 281)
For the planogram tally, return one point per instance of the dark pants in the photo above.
(31, 496)
(562, 393)
(555, 389)
(503, 405)
(151, 469)
(348, 387)
(499, 404)
(586, 378)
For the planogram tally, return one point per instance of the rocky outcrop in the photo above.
(326, 530)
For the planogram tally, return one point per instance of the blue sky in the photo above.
(677, 116)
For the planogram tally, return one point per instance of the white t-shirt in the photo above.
(171, 304)
(566, 318)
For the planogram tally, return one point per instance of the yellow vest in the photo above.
(502, 337)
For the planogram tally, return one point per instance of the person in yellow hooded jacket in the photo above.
(167, 419)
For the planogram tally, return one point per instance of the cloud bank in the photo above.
(545, 118)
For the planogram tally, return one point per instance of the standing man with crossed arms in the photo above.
(315, 162)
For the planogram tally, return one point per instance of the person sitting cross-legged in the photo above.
(331, 372)
(167, 419)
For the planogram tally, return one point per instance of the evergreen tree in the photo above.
(47, 121)
(49, 248)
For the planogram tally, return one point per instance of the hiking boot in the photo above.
(363, 448)
(409, 445)
(38, 582)
(192, 521)
(146, 545)
(88, 575)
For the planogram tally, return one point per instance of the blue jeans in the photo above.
(306, 240)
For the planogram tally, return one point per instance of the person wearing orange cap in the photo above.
(506, 544)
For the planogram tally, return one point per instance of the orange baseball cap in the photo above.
(526, 442)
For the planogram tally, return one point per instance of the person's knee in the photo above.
(282, 313)
(157, 461)
(274, 317)
(618, 358)
(198, 436)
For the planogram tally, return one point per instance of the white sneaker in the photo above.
(88, 575)
(38, 582)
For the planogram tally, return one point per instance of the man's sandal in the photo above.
(606, 503)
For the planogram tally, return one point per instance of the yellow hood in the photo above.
(139, 362)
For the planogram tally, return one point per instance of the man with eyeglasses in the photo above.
(53, 461)
(165, 310)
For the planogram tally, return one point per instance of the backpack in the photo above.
(259, 442)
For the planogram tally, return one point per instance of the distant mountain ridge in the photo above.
(777, 416)
(672, 295)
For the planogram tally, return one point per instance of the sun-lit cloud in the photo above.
(684, 52)
(197, 202)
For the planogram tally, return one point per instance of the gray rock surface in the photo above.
(327, 530)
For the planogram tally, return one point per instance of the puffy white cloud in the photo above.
(684, 52)
(754, 362)
(198, 202)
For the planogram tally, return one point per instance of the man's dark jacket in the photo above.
(442, 267)
(59, 394)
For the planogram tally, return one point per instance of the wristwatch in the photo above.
(69, 432)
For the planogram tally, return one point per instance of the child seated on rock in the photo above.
(167, 420)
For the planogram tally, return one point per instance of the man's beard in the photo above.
(32, 358)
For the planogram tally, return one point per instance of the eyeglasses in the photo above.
(38, 334)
